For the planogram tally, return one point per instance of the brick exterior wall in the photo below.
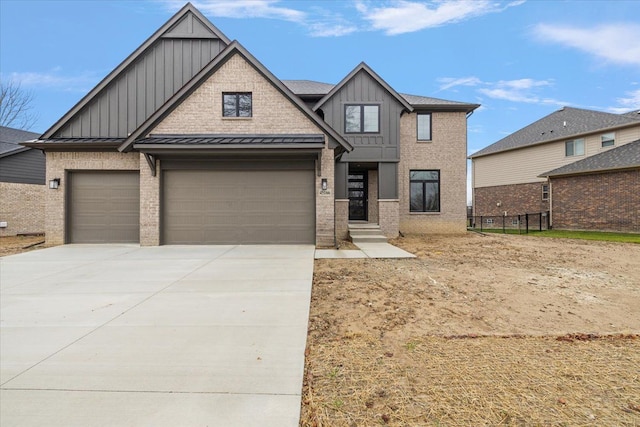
(342, 218)
(58, 163)
(149, 204)
(389, 218)
(446, 152)
(272, 113)
(604, 201)
(22, 208)
(515, 199)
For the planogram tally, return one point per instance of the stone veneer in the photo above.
(58, 164)
(342, 218)
(446, 152)
(388, 217)
(22, 208)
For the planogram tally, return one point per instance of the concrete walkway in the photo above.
(162, 336)
(365, 250)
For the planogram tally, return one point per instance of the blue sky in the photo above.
(520, 59)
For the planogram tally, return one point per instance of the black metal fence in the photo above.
(514, 224)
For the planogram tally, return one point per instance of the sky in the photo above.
(520, 59)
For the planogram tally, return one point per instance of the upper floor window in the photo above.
(608, 139)
(574, 148)
(361, 118)
(424, 188)
(545, 191)
(424, 126)
(236, 104)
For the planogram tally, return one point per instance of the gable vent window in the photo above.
(608, 139)
(236, 104)
(424, 126)
(574, 148)
(361, 118)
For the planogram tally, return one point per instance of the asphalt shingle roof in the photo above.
(623, 157)
(310, 87)
(231, 139)
(11, 138)
(563, 123)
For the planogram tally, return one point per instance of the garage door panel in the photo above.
(231, 206)
(104, 207)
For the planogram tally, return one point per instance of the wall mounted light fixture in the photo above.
(54, 183)
(324, 184)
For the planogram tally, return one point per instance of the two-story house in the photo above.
(191, 140)
(582, 166)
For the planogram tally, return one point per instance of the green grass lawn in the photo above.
(568, 234)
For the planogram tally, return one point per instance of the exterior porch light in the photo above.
(54, 183)
(324, 184)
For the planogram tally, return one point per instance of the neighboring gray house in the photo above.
(22, 178)
(192, 140)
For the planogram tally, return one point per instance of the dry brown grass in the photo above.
(485, 381)
(457, 336)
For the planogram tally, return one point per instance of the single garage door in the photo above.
(103, 207)
(238, 206)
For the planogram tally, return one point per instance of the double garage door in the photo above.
(216, 204)
(240, 205)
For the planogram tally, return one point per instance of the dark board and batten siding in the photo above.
(27, 167)
(362, 89)
(142, 88)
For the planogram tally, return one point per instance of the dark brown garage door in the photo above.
(238, 206)
(103, 207)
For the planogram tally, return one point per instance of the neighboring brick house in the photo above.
(191, 140)
(507, 176)
(22, 172)
(601, 192)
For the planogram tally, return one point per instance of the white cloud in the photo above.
(327, 29)
(405, 16)
(616, 43)
(629, 102)
(451, 82)
(244, 9)
(517, 90)
(53, 79)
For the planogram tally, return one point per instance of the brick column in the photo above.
(389, 217)
(149, 204)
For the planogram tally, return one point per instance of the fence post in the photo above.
(526, 221)
(481, 223)
(503, 230)
(540, 221)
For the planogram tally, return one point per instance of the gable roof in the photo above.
(10, 139)
(178, 26)
(562, 124)
(623, 157)
(365, 68)
(305, 88)
(232, 49)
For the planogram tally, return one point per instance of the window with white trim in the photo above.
(608, 139)
(545, 191)
(574, 147)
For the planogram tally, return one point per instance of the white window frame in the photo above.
(574, 147)
(608, 140)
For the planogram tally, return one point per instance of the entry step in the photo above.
(366, 233)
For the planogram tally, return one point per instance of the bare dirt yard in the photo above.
(10, 245)
(477, 331)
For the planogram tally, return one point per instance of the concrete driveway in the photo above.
(102, 335)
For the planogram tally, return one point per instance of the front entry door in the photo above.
(358, 196)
